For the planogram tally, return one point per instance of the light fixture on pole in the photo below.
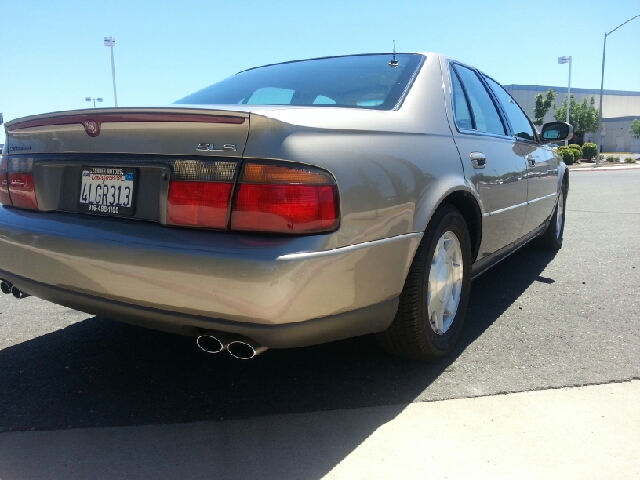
(88, 99)
(111, 42)
(567, 60)
(598, 130)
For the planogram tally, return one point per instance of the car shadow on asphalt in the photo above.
(99, 373)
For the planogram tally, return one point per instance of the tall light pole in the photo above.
(111, 42)
(88, 99)
(599, 129)
(567, 60)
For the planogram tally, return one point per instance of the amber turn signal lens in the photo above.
(265, 173)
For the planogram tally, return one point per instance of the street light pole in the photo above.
(567, 60)
(599, 129)
(111, 42)
(88, 99)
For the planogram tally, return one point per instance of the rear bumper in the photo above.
(282, 292)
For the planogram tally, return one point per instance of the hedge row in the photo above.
(569, 155)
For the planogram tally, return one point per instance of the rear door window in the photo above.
(519, 122)
(461, 110)
(483, 111)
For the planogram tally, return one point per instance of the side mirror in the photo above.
(553, 132)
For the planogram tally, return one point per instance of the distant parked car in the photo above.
(288, 205)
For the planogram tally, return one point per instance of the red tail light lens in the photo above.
(285, 199)
(200, 192)
(5, 199)
(198, 204)
(269, 197)
(23, 191)
(285, 208)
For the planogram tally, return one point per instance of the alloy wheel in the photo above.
(445, 283)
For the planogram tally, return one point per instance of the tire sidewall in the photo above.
(439, 345)
(564, 217)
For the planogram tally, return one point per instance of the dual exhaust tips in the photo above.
(7, 287)
(238, 347)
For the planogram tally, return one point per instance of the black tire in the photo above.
(411, 335)
(551, 239)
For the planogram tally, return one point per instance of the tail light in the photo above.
(285, 199)
(199, 193)
(268, 197)
(5, 199)
(22, 192)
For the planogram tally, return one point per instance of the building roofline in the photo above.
(587, 91)
(621, 119)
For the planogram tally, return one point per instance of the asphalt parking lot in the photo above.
(536, 321)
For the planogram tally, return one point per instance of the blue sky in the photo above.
(53, 56)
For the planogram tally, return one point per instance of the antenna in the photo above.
(394, 62)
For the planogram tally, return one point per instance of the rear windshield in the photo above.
(358, 81)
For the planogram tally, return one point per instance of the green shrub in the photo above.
(630, 160)
(611, 159)
(567, 154)
(576, 155)
(576, 147)
(589, 150)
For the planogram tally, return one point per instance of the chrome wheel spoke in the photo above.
(445, 281)
(451, 306)
(437, 322)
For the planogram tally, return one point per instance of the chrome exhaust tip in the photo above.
(6, 286)
(245, 350)
(210, 344)
(18, 294)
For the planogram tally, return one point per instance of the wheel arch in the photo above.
(468, 205)
(564, 179)
(470, 210)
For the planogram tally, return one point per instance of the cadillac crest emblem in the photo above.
(91, 127)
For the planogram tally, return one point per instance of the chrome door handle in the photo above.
(478, 160)
(531, 160)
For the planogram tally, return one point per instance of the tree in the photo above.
(635, 128)
(543, 104)
(583, 116)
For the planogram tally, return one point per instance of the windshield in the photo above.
(357, 81)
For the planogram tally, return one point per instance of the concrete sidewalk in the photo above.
(586, 432)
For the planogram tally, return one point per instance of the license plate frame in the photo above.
(92, 199)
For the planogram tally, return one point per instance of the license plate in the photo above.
(107, 190)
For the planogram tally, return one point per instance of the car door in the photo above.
(542, 163)
(492, 161)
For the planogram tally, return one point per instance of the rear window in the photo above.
(358, 81)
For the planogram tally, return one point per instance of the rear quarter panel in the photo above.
(392, 167)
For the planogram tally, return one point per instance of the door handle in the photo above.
(531, 160)
(478, 160)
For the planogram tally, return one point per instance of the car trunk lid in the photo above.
(54, 162)
(163, 131)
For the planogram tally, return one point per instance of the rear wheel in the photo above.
(551, 239)
(434, 299)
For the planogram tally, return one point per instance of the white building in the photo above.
(619, 109)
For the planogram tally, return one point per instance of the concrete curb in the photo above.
(603, 169)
